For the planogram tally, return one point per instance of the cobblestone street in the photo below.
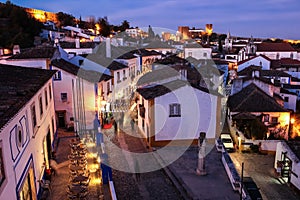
(261, 169)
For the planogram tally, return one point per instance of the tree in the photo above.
(151, 33)
(17, 26)
(65, 19)
(104, 27)
(125, 25)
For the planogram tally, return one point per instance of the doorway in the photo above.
(61, 117)
(27, 190)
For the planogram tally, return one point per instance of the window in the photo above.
(41, 105)
(205, 54)
(57, 76)
(108, 87)
(64, 97)
(2, 172)
(33, 116)
(50, 92)
(46, 98)
(277, 56)
(175, 110)
(292, 56)
(286, 99)
(124, 75)
(190, 54)
(118, 77)
(274, 120)
(266, 118)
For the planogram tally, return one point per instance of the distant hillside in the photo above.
(17, 27)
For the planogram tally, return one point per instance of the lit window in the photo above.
(175, 110)
(64, 97)
(57, 76)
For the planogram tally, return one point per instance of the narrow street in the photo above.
(260, 168)
(150, 185)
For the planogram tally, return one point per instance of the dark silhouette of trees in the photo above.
(65, 19)
(104, 27)
(17, 27)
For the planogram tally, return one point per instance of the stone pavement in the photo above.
(60, 180)
(214, 185)
(261, 169)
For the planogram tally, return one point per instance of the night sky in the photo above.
(260, 18)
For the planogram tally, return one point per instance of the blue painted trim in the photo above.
(24, 174)
(20, 156)
(11, 153)
(24, 129)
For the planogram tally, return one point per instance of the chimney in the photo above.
(108, 48)
(16, 49)
(77, 43)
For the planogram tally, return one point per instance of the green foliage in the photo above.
(17, 27)
(65, 19)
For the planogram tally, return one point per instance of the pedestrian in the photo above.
(132, 124)
(114, 123)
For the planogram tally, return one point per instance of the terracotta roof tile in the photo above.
(36, 52)
(268, 47)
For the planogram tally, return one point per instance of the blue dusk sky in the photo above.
(260, 18)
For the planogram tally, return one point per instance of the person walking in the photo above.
(132, 124)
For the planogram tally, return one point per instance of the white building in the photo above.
(27, 130)
(259, 60)
(177, 112)
(37, 57)
(287, 163)
(276, 51)
(197, 51)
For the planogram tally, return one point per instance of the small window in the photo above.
(205, 54)
(118, 77)
(41, 105)
(33, 116)
(57, 76)
(274, 120)
(19, 136)
(64, 97)
(175, 110)
(46, 98)
(292, 56)
(266, 118)
(190, 54)
(286, 99)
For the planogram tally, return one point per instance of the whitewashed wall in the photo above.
(198, 113)
(17, 157)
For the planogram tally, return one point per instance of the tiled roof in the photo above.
(292, 87)
(36, 52)
(158, 45)
(106, 62)
(159, 90)
(194, 45)
(157, 75)
(17, 86)
(89, 75)
(271, 47)
(263, 73)
(253, 99)
(169, 60)
(284, 62)
(295, 79)
(116, 52)
(284, 91)
(248, 70)
(72, 45)
(244, 61)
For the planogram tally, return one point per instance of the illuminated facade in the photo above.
(42, 15)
